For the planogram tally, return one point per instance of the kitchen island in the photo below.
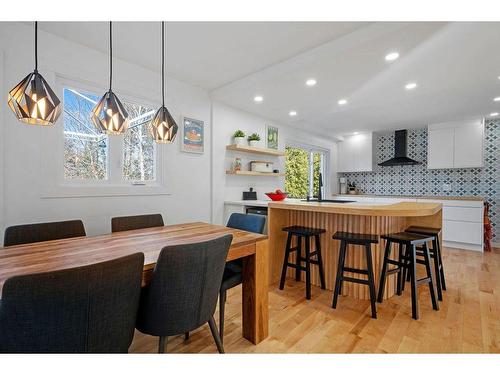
(354, 217)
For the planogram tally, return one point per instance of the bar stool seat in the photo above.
(407, 259)
(303, 233)
(365, 240)
(435, 253)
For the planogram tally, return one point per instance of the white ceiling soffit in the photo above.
(456, 66)
(206, 54)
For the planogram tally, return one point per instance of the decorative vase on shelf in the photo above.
(240, 141)
(254, 143)
(237, 164)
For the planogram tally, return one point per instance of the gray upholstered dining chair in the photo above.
(182, 295)
(88, 309)
(29, 233)
(233, 272)
(122, 223)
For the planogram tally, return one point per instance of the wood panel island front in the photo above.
(348, 217)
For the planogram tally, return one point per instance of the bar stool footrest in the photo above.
(354, 280)
(356, 270)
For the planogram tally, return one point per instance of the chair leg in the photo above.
(413, 280)
(222, 308)
(298, 263)
(441, 266)
(162, 345)
(437, 273)
(427, 260)
(308, 267)
(285, 261)
(215, 334)
(406, 269)
(401, 268)
(340, 273)
(371, 280)
(320, 262)
(381, 286)
(186, 336)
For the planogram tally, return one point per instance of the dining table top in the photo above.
(80, 251)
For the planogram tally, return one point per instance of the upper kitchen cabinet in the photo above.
(457, 144)
(355, 153)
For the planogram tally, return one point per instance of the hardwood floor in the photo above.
(468, 320)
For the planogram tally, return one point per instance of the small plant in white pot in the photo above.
(254, 140)
(239, 138)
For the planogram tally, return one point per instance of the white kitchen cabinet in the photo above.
(441, 148)
(457, 144)
(355, 153)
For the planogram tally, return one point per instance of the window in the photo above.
(88, 154)
(302, 168)
(138, 146)
(85, 149)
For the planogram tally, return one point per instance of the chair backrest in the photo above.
(248, 222)
(29, 233)
(119, 224)
(183, 292)
(89, 309)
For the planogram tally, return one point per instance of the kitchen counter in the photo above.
(254, 203)
(376, 218)
(436, 197)
(400, 209)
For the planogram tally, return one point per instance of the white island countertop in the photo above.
(253, 203)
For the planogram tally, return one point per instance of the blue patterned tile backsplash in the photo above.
(418, 180)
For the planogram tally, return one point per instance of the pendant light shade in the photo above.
(32, 100)
(109, 115)
(163, 128)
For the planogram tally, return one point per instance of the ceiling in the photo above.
(456, 67)
(206, 54)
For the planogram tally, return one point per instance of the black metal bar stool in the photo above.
(408, 259)
(303, 233)
(355, 239)
(435, 253)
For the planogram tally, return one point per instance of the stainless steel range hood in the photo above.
(400, 157)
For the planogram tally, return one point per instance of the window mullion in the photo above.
(115, 161)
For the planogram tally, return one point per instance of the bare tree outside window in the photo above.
(138, 145)
(85, 148)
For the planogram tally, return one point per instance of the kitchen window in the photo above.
(90, 156)
(303, 165)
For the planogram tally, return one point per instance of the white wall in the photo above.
(24, 150)
(225, 121)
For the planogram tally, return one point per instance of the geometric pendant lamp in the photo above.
(109, 115)
(163, 128)
(32, 100)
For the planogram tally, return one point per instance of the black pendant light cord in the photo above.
(36, 46)
(110, 54)
(163, 62)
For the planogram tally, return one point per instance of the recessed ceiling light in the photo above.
(391, 56)
(355, 133)
(410, 86)
(493, 114)
(497, 99)
(292, 113)
(311, 82)
(258, 98)
(342, 102)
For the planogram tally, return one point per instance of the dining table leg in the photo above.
(255, 294)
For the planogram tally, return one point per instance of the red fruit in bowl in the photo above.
(278, 191)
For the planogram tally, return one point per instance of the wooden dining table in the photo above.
(252, 248)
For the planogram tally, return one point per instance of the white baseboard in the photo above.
(463, 246)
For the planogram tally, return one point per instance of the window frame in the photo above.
(114, 184)
(325, 161)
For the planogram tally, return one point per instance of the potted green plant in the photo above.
(254, 139)
(239, 137)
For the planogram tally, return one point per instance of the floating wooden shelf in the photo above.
(250, 173)
(255, 150)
